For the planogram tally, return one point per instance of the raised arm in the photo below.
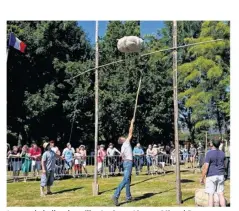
(117, 150)
(131, 129)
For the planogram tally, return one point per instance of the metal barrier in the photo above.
(25, 168)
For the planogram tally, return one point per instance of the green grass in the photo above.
(148, 190)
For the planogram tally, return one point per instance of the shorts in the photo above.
(36, 165)
(83, 163)
(47, 179)
(215, 184)
(77, 167)
(100, 166)
(68, 165)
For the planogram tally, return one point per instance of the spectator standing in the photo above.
(112, 159)
(53, 147)
(173, 155)
(26, 161)
(155, 158)
(101, 159)
(138, 154)
(222, 146)
(68, 155)
(167, 149)
(201, 155)
(193, 153)
(59, 165)
(149, 156)
(185, 154)
(35, 153)
(227, 160)
(214, 170)
(83, 155)
(77, 166)
(48, 163)
(14, 155)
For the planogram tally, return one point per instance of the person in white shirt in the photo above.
(83, 158)
(112, 158)
(149, 156)
(77, 163)
(127, 157)
(155, 158)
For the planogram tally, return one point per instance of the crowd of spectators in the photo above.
(74, 161)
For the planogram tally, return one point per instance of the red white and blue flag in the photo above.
(16, 43)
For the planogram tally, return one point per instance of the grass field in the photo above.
(148, 190)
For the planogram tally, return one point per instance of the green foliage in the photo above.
(205, 78)
(44, 100)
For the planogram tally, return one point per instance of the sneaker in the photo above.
(115, 200)
(129, 199)
(43, 195)
(49, 193)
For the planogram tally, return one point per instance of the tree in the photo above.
(36, 101)
(205, 79)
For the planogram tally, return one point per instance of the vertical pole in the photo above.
(175, 100)
(95, 185)
(7, 53)
(206, 144)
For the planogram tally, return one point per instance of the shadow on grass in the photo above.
(67, 190)
(131, 184)
(186, 180)
(146, 195)
(191, 197)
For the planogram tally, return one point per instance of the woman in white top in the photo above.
(77, 163)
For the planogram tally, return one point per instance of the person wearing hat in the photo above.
(213, 172)
(48, 163)
(112, 159)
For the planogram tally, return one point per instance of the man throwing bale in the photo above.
(127, 157)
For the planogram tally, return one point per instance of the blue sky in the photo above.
(146, 27)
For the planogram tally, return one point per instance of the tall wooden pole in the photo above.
(95, 185)
(175, 100)
(206, 144)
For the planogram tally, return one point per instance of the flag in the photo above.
(16, 43)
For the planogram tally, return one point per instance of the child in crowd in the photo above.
(77, 166)
(83, 158)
